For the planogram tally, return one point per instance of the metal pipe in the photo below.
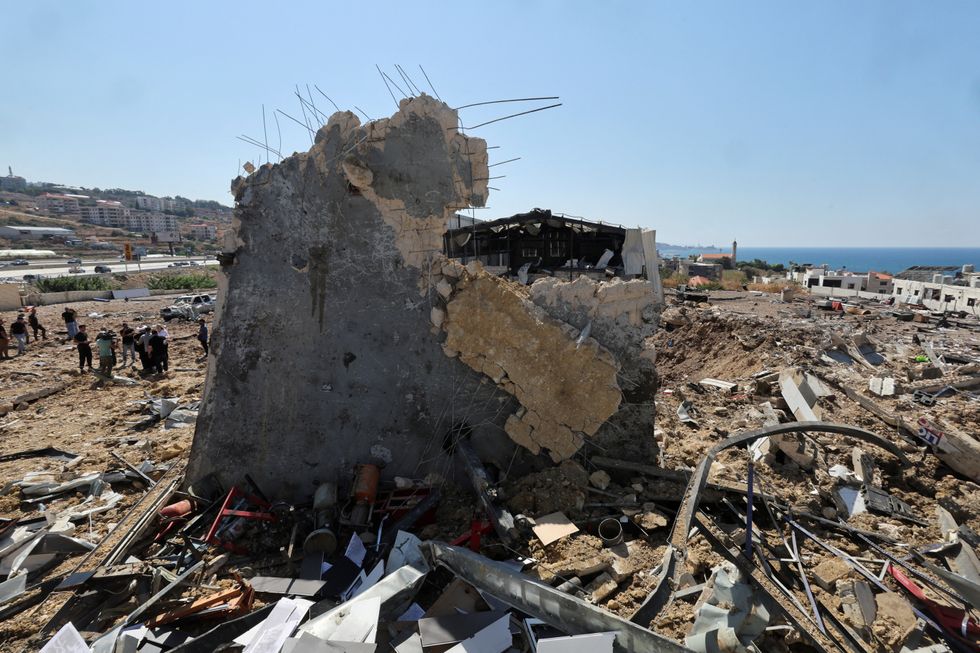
(610, 532)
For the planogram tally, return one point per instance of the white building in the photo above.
(17, 232)
(107, 214)
(943, 293)
(66, 205)
(874, 282)
(203, 231)
(151, 203)
(149, 223)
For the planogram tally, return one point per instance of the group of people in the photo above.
(149, 343)
(20, 332)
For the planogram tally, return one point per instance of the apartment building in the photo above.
(62, 205)
(151, 203)
(203, 231)
(107, 214)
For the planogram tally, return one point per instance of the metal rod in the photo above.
(133, 469)
(326, 96)
(364, 113)
(806, 583)
(517, 158)
(513, 115)
(265, 135)
(430, 83)
(408, 84)
(307, 127)
(748, 512)
(524, 99)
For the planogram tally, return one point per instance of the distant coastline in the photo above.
(858, 259)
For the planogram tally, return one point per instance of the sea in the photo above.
(859, 259)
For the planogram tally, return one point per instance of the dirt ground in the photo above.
(735, 339)
(89, 419)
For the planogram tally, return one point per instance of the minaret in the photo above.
(734, 252)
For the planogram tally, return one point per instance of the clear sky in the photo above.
(777, 123)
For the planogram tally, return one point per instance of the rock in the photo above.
(650, 520)
(829, 571)
(895, 620)
(444, 288)
(599, 479)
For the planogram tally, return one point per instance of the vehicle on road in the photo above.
(20, 261)
(76, 270)
(188, 307)
(103, 269)
(74, 261)
(31, 277)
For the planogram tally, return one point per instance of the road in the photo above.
(58, 268)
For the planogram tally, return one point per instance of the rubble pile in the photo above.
(445, 460)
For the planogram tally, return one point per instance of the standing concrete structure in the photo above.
(345, 336)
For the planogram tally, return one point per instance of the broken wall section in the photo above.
(566, 385)
(622, 316)
(322, 353)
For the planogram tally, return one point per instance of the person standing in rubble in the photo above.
(128, 335)
(158, 345)
(106, 341)
(165, 334)
(69, 315)
(4, 342)
(19, 331)
(202, 335)
(84, 349)
(144, 347)
(36, 324)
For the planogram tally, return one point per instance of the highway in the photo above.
(59, 267)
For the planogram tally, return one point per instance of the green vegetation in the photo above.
(759, 264)
(64, 284)
(181, 282)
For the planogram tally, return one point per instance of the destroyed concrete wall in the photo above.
(322, 352)
(344, 335)
(622, 316)
(566, 389)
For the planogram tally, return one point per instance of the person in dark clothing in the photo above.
(19, 331)
(4, 342)
(70, 324)
(36, 325)
(202, 335)
(140, 347)
(145, 340)
(158, 354)
(84, 349)
(128, 344)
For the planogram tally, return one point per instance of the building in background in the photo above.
(203, 231)
(61, 205)
(949, 289)
(35, 233)
(151, 203)
(106, 213)
(12, 183)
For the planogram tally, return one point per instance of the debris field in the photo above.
(398, 451)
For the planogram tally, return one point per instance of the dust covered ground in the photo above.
(90, 419)
(741, 339)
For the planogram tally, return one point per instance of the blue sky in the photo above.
(776, 123)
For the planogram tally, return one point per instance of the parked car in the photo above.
(188, 307)
(20, 261)
(74, 261)
(103, 269)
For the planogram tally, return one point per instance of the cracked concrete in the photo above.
(345, 336)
